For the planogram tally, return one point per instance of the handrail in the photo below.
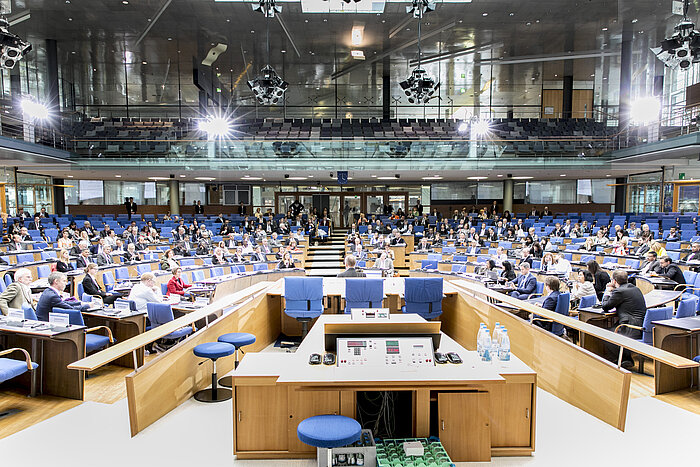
(668, 358)
(124, 348)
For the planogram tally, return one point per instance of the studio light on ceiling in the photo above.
(682, 49)
(34, 110)
(268, 88)
(12, 48)
(419, 87)
(267, 8)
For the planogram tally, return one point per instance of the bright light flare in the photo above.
(482, 127)
(34, 110)
(463, 127)
(645, 110)
(216, 127)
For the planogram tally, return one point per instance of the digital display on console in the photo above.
(357, 343)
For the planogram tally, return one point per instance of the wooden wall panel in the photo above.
(552, 98)
(582, 103)
(571, 373)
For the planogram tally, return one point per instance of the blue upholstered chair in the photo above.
(238, 340)
(164, 288)
(586, 258)
(43, 271)
(143, 268)
(363, 293)
(647, 328)
(423, 296)
(197, 276)
(213, 351)
(122, 274)
(215, 272)
(187, 262)
(161, 313)
(459, 268)
(93, 342)
(108, 280)
(29, 312)
(428, 264)
(435, 256)
(25, 258)
(86, 297)
(11, 368)
(632, 263)
(539, 290)
(562, 308)
(587, 301)
(687, 307)
(303, 297)
(328, 431)
(260, 267)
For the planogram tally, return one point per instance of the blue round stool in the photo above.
(329, 431)
(213, 351)
(238, 340)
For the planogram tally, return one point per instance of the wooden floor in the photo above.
(104, 385)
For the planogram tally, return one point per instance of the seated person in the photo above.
(176, 285)
(131, 256)
(219, 256)
(673, 235)
(84, 259)
(694, 255)
(630, 307)
(525, 284)
(562, 266)
(52, 297)
(238, 256)
(350, 270)
(424, 245)
(167, 261)
(384, 262)
(551, 292)
(63, 262)
(500, 256)
(146, 291)
(92, 287)
(18, 293)
(508, 273)
(650, 264)
(474, 248)
(104, 258)
(584, 286)
(258, 256)
(287, 262)
(670, 270)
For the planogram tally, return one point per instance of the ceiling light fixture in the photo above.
(477, 178)
(267, 8)
(216, 126)
(249, 178)
(158, 178)
(12, 48)
(434, 177)
(269, 87)
(386, 178)
(645, 110)
(357, 34)
(523, 178)
(682, 49)
(205, 179)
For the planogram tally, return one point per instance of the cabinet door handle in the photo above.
(527, 412)
(443, 424)
(239, 416)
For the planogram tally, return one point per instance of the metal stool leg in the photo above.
(215, 394)
(227, 381)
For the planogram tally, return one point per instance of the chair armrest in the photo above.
(639, 328)
(544, 320)
(685, 286)
(534, 295)
(26, 355)
(109, 332)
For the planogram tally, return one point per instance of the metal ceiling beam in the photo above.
(456, 53)
(289, 35)
(153, 21)
(397, 29)
(405, 45)
(550, 57)
(19, 17)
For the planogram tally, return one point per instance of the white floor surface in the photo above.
(197, 434)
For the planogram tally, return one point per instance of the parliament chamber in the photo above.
(394, 233)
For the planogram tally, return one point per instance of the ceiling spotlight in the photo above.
(216, 126)
(268, 88)
(12, 48)
(419, 87)
(267, 8)
(682, 49)
(348, 1)
(420, 7)
(34, 110)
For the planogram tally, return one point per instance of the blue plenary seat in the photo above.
(632, 263)
(161, 313)
(459, 268)
(260, 267)
(25, 258)
(423, 296)
(588, 301)
(93, 342)
(11, 368)
(363, 293)
(122, 273)
(143, 268)
(459, 258)
(303, 300)
(428, 264)
(687, 307)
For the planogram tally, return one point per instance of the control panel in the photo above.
(406, 352)
(367, 314)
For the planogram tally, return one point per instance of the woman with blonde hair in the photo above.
(657, 248)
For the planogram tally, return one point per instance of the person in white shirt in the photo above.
(500, 256)
(146, 291)
(562, 265)
(584, 286)
(247, 247)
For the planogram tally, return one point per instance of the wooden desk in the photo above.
(124, 326)
(679, 336)
(53, 351)
(276, 391)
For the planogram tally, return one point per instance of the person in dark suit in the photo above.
(551, 289)
(670, 270)
(600, 278)
(650, 264)
(630, 307)
(105, 257)
(525, 284)
(257, 256)
(84, 259)
(198, 208)
(16, 244)
(350, 270)
(694, 255)
(51, 297)
(92, 287)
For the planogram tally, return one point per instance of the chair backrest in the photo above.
(536, 264)
(86, 298)
(79, 289)
(143, 268)
(654, 314)
(459, 267)
(215, 272)
(302, 293)
(187, 262)
(561, 308)
(29, 312)
(632, 263)
(587, 301)
(459, 258)
(449, 250)
(435, 256)
(108, 278)
(159, 313)
(25, 258)
(75, 317)
(240, 267)
(609, 259)
(587, 258)
(687, 307)
(363, 293)
(43, 271)
(260, 267)
(197, 276)
(131, 303)
(122, 273)
(48, 254)
(423, 294)
(690, 277)
(164, 288)
(539, 288)
(428, 264)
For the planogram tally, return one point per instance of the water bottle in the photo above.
(496, 339)
(480, 340)
(486, 357)
(504, 349)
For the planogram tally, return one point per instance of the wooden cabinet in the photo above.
(304, 404)
(511, 414)
(261, 418)
(464, 425)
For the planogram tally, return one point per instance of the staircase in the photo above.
(326, 260)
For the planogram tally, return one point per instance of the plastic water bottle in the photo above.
(486, 357)
(496, 339)
(504, 348)
(479, 340)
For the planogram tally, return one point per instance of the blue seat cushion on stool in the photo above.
(329, 431)
(9, 368)
(214, 350)
(238, 339)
